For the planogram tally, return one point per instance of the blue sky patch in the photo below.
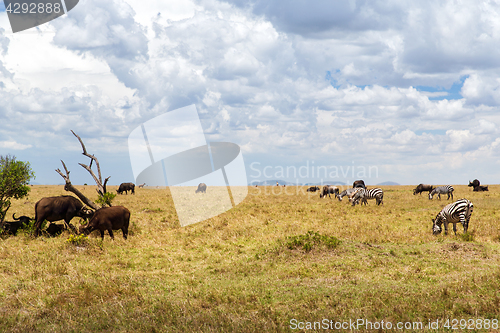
(434, 132)
(440, 93)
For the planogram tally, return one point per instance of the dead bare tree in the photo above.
(101, 187)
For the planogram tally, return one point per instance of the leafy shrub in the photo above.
(309, 240)
(78, 240)
(29, 228)
(105, 199)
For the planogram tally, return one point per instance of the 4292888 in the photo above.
(471, 324)
(33, 8)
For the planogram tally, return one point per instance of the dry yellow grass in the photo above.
(235, 272)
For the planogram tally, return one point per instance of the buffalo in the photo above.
(54, 229)
(328, 190)
(359, 183)
(422, 188)
(108, 218)
(313, 189)
(474, 183)
(202, 187)
(59, 208)
(480, 188)
(125, 187)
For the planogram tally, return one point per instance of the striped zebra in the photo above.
(349, 192)
(459, 211)
(364, 195)
(447, 189)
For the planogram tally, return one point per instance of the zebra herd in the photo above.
(356, 195)
(458, 211)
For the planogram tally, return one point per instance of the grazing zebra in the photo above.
(459, 211)
(364, 195)
(349, 192)
(447, 189)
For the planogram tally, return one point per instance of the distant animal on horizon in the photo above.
(141, 186)
(363, 195)
(125, 187)
(359, 183)
(329, 190)
(313, 189)
(480, 188)
(447, 189)
(108, 218)
(349, 192)
(459, 211)
(63, 207)
(202, 187)
(474, 183)
(422, 188)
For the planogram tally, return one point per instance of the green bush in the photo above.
(29, 228)
(105, 199)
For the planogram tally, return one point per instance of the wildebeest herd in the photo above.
(67, 207)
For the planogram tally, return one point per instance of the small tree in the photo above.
(14, 180)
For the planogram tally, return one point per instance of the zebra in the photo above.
(364, 195)
(459, 211)
(447, 189)
(349, 192)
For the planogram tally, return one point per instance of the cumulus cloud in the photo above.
(296, 80)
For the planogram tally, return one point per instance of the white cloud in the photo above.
(13, 145)
(301, 81)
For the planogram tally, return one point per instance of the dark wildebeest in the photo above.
(358, 183)
(422, 188)
(474, 183)
(328, 190)
(54, 229)
(58, 208)
(125, 187)
(108, 218)
(313, 189)
(202, 187)
(480, 188)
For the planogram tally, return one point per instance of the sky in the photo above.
(402, 91)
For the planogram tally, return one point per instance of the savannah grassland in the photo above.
(247, 269)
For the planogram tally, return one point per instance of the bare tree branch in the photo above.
(93, 158)
(101, 187)
(70, 188)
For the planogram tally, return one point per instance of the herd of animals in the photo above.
(456, 212)
(67, 207)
